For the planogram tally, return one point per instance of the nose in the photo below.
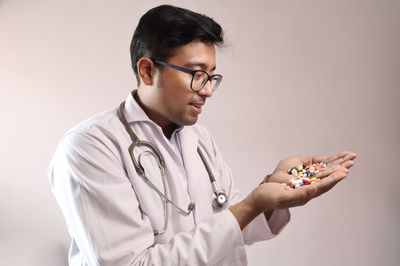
(206, 90)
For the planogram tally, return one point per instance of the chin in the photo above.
(189, 122)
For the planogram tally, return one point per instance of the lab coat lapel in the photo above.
(198, 180)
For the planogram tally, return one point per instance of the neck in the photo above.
(156, 117)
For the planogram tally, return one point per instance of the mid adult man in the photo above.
(144, 184)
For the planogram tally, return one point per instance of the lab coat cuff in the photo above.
(278, 220)
(260, 229)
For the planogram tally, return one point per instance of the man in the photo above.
(153, 203)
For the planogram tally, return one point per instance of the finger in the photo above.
(348, 164)
(329, 182)
(347, 161)
(350, 156)
(342, 157)
(329, 170)
(337, 158)
(314, 159)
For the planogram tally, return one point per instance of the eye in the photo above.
(198, 75)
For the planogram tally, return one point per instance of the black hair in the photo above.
(166, 27)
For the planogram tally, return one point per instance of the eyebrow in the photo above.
(201, 65)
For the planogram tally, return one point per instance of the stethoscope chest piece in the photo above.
(220, 200)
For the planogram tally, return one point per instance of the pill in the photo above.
(305, 174)
(290, 170)
(296, 181)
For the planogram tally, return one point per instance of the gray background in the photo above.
(300, 78)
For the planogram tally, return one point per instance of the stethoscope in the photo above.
(220, 199)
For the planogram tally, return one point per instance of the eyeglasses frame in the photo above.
(193, 72)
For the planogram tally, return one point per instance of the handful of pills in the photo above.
(305, 174)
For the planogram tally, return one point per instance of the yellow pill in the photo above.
(313, 179)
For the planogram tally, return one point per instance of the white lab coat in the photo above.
(111, 211)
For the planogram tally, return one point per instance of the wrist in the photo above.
(245, 211)
(253, 202)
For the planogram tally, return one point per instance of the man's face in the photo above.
(177, 103)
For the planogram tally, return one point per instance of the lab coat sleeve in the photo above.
(259, 229)
(106, 224)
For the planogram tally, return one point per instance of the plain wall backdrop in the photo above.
(311, 77)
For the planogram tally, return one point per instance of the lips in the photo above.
(197, 106)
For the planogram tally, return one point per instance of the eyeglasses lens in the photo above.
(200, 79)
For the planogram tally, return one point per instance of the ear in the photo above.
(146, 70)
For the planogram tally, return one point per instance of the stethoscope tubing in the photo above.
(220, 200)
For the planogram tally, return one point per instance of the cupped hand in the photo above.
(281, 175)
(271, 195)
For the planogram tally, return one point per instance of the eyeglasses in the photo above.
(199, 77)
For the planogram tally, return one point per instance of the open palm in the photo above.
(280, 174)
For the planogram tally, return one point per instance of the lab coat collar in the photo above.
(135, 113)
